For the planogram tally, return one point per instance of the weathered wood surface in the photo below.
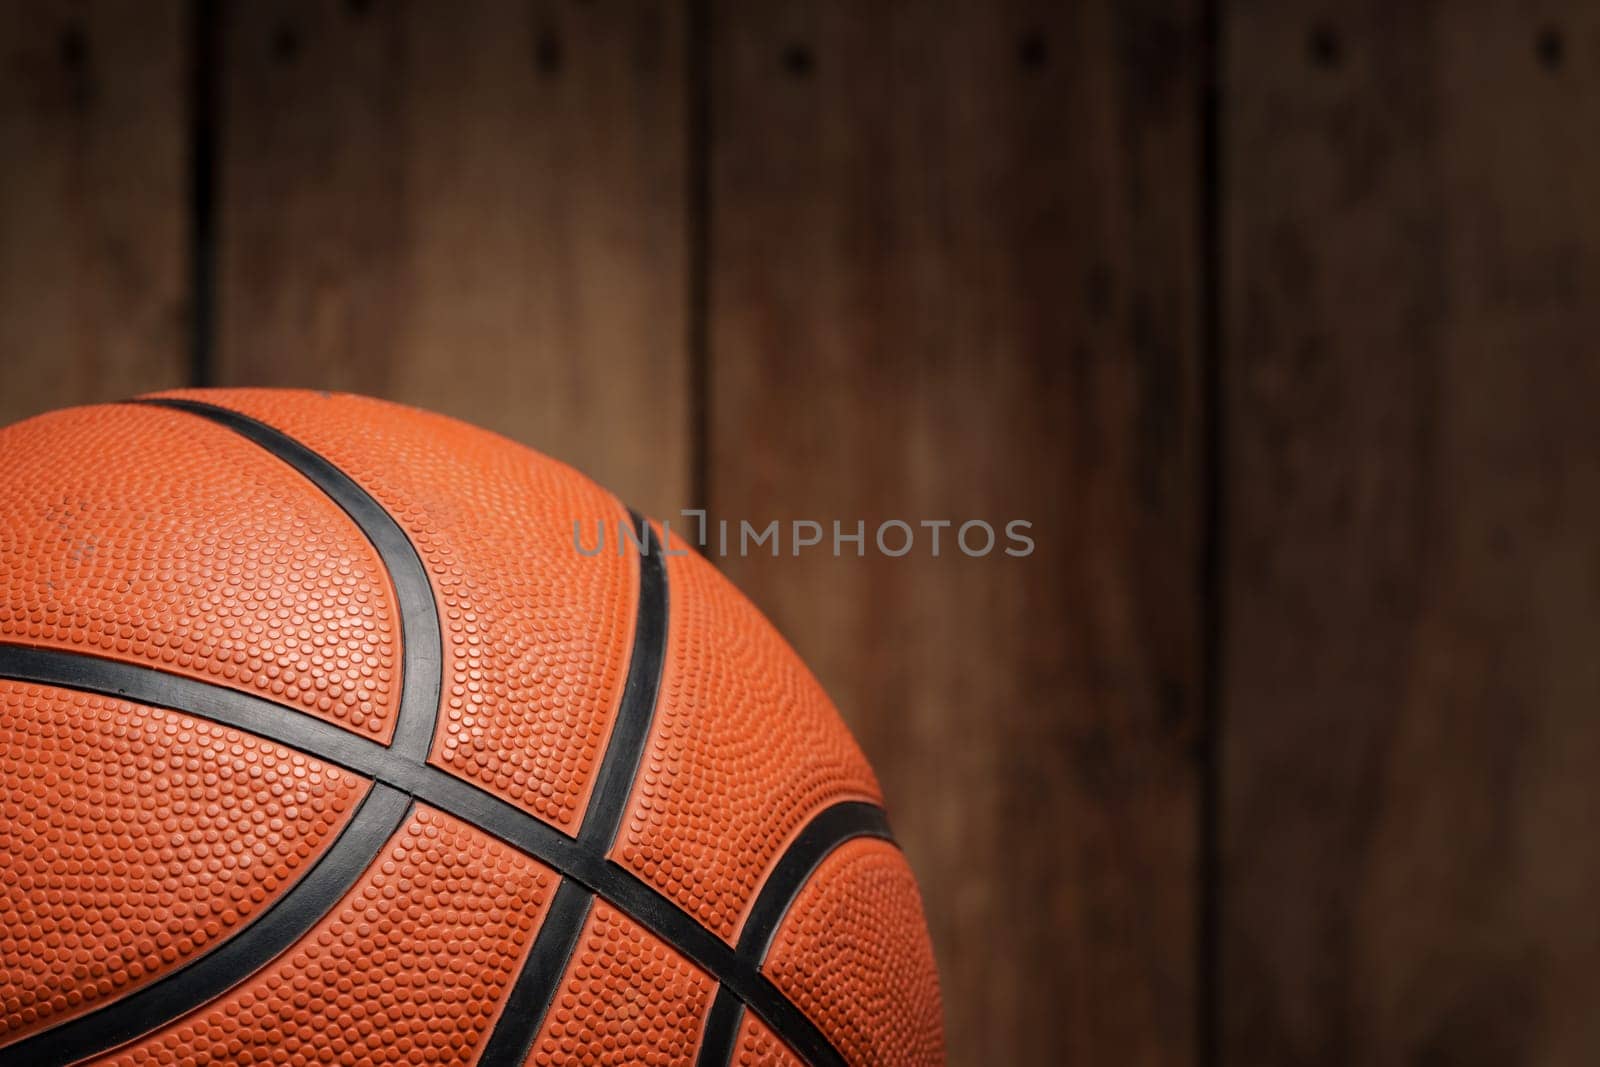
(93, 202)
(954, 275)
(1413, 586)
(478, 208)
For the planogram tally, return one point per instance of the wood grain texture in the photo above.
(478, 208)
(954, 276)
(1413, 584)
(93, 117)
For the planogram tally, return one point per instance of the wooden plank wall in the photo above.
(1413, 579)
(1279, 748)
(93, 201)
(953, 276)
(479, 208)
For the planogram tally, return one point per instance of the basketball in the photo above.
(337, 732)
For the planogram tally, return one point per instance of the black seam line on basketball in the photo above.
(422, 650)
(721, 1030)
(526, 1006)
(456, 796)
(536, 985)
(827, 830)
(614, 783)
(380, 814)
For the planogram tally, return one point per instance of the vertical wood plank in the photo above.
(954, 277)
(1413, 584)
(93, 117)
(478, 208)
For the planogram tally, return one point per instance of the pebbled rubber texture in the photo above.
(407, 968)
(536, 635)
(852, 955)
(133, 839)
(745, 748)
(148, 536)
(616, 967)
(760, 1047)
(531, 996)
(529, 1001)
(578, 799)
(198, 982)
(419, 615)
(830, 829)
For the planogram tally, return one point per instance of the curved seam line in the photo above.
(421, 640)
(534, 989)
(630, 734)
(235, 959)
(413, 733)
(456, 796)
(537, 982)
(821, 837)
(420, 692)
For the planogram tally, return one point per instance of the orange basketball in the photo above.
(325, 739)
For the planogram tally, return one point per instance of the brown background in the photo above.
(1274, 317)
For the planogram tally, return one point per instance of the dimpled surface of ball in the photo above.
(113, 817)
(254, 811)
